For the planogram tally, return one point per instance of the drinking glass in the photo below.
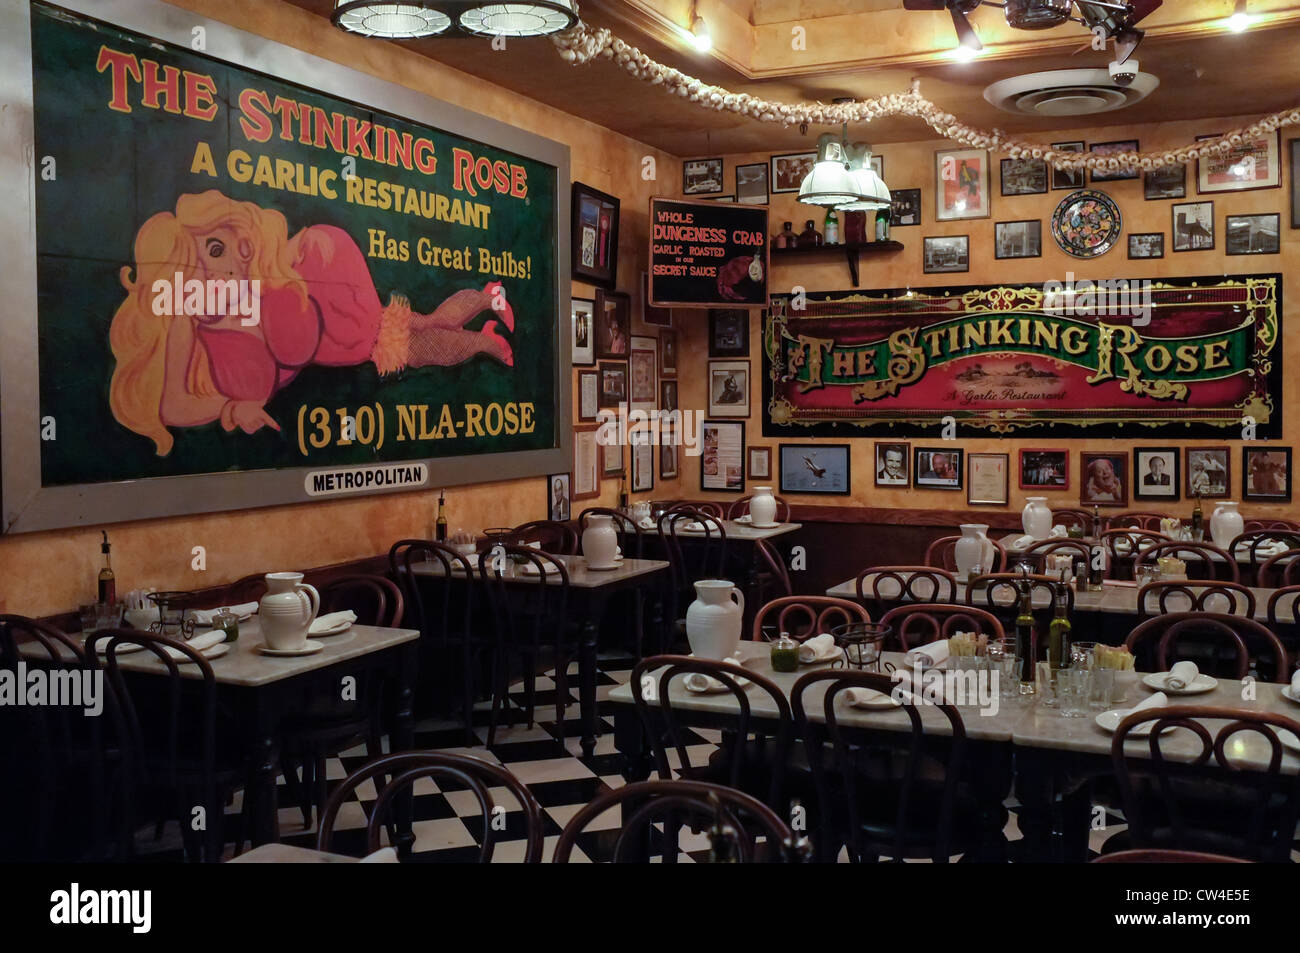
(1081, 654)
(88, 615)
(1043, 684)
(1002, 654)
(1101, 688)
(1072, 687)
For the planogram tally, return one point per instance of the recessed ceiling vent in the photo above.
(1068, 92)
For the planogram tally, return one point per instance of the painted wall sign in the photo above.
(345, 480)
(707, 254)
(1185, 357)
(240, 273)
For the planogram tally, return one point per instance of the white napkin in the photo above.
(385, 855)
(532, 569)
(1158, 700)
(746, 518)
(198, 644)
(870, 698)
(204, 616)
(1023, 542)
(699, 682)
(1181, 675)
(1059, 531)
(535, 544)
(928, 656)
(332, 620)
(816, 648)
(646, 522)
(695, 526)
(1295, 684)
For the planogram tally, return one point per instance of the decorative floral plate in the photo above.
(1087, 224)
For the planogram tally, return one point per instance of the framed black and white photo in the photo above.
(668, 395)
(893, 464)
(1209, 472)
(669, 448)
(588, 395)
(946, 253)
(760, 463)
(1147, 245)
(643, 467)
(1024, 176)
(904, 208)
(788, 171)
(1018, 239)
(936, 468)
(1169, 182)
(1253, 234)
(722, 456)
(1193, 226)
(988, 478)
(1071, 179)
(1156, 473)
(728, 332)
(558, 497)
(1044, 469)
(613, 383)
(1109, 149)
(613, 329)
(1266, 474)
(594, 252)
(816, 468)
(668, 353)
(728, 388)
(583, 328)
(1254, 164)
(751, 184)
(701, 176)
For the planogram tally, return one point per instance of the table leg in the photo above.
(402, 738)
(992, 781)
(630, 742)
(587, 686)
(264, 759)
(1034, 791)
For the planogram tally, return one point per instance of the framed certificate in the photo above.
(586, 463)
(987, 478)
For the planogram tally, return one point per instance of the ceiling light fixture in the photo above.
(389, 20)
(830, 183)
(1241, 20)
(392, 20)
(519, 19)
(963, 53)
(871, 187)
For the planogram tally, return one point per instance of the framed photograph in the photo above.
(1103, 479)
(1156, 475)
(1110, 149)
(613, 324)
(1044, 469)
(594, 255)
(1193, 226)
(946, 253)
(583, 313)
(1167, 183)
(935, 468)
(1255, 164)
(668, 450)
(719, 198)
(788, 171)
(816, 468)
(643, 467)
(961, 187)
(558, 497)
(588, 395)
(1018, 239)
(1253, 234)
(988, 476)
(751, 184)
(1068, 178)
(893, 463)
(643, 373)
(1209, 472)
(668, 353)
(905, 207)
(728, 332)
(701, 176)
(1295, 183)
(659, 317)
(586, 463)
(760, 463)
(1147, 245)
(1266, 474)
(611, 459)
(668, 395)
(1024, 177)
(728, 388)
(722, 456)
(613, 383)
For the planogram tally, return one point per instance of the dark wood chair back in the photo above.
(1280, 570)
(1250, 811)
(630, 536)
(806, 617)
(997, 590)
(376, 601)
(1143, 520)
(1257, 548)
(1160, 598)
(1283, 610)
(714, 510)
(1220, 644)
(1123, 547)
(773, 575)
(1204, 560)
(940, 554)
(1165, 857)
(1047, 547)
(884, 587)
(645, 804)
(916, 624)
(853, 746)
(693, 555)
(451, 772)
(741, 507)
(1070, 517)
(1258, 524)
(556, 538)
(438, 603)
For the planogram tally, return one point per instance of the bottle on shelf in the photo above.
(1198, 520)
(810, 237)
(785, 238)
(440, 525)
(882, 225)
(832, 227)
(855, 227)
(107, 583)
(1025, 641)
(1058, 632)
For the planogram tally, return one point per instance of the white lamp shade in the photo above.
(829, 183)
(519, 19)
(871, 188)
(389, 20)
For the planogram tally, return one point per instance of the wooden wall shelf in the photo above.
(851, 252)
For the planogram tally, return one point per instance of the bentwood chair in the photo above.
(741, 508)
(1258, 546)
(1258, 524)
(452, 772)
(998, 593)
(707, 507)
(1283, 611)
(556, 538)
(1165, 857)
(1280, 570)
(1165, 596)
(884, 587)
(773, 575)
(1071, 517)
(805, 617)
(1075, 548)
(691, 556)
(940, 554)
(1246, 811)
(631, 540)
(735, 820)
(1141, 519)
(1204, 560)
(921, 807)
(1230, 646)
(916, 624)
(1123, 547)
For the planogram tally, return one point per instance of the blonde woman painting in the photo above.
(318, 305)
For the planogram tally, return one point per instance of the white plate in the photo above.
(1204, 683)
(834, 653)
(764, 525)
(1290, 695)
(311, 648)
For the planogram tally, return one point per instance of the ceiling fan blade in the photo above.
(965, 32)
(924, 4)
(1126, 43)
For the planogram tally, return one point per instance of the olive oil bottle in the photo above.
(1025, 641)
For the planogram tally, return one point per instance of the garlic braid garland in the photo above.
(581, 45)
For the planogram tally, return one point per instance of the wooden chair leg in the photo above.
(530, 692)
(322, 794)
(470, 657)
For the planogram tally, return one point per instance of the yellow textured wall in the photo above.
(49, 572)
(910, 165)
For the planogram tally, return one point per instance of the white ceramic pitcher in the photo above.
(600, 542)
(974, 548)
(713, 620)
(287, 610)
(762, 507)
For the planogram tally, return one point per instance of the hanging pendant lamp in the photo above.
(829, 184)
(539, 18)
(389, 20)
(874, 194)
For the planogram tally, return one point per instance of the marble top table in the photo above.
(1242, 554)
(580, 577)
(736, 531)
(288, 854)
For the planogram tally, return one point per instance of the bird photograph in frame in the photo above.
(816, 468)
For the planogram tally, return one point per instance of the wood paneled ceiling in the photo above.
(864, 48)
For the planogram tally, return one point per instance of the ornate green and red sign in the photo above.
(1180, 357)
